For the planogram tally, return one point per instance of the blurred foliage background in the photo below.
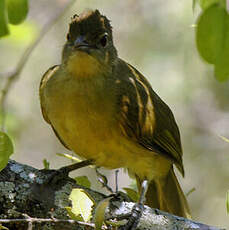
(158, 38)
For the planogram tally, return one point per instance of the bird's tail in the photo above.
(166, 194)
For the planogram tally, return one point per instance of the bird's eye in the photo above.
(104, 40)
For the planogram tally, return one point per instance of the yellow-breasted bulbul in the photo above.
(103, 109)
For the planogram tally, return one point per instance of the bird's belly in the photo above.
(92, 132)
(91, 137)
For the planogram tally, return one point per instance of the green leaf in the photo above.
(212, 39)
(81, 204)
(2, 227)
(99, 216)
(227, 201)
(134, 196)
(17, 10)
(6, 149)
(24, 33)
(210, 33)
(222, 62)
(3, 19)
(204, 4)
(46, 164)
(72, 215)
(83, 181)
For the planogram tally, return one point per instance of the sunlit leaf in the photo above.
(3, 19)
(83, 181)
(134, 196)
(81, 204)
(6, 149)
(212, 38)
(17, 10)
(227, 201)
(99, 215)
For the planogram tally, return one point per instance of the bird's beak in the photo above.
(81, 43)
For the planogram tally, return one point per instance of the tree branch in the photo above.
(30, 220)
(12, 76)
(24, 192)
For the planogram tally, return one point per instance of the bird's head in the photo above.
(89, 42)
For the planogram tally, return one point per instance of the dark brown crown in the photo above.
(89, 22)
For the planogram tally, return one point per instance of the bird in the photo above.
(103, 109)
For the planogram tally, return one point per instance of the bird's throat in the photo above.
(83, 65)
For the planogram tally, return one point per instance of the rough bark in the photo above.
(24, 191)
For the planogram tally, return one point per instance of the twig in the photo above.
(14, 75)
(42, 220)
(69, 168)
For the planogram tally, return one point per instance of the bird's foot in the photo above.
(103, 181)
(134, 218)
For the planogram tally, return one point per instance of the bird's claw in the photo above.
(134, 219)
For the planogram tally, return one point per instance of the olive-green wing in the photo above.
(144, 117)
(48, 74)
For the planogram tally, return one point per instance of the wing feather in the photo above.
(145, 118)
(48, 74)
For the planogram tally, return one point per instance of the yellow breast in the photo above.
(85, 118)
